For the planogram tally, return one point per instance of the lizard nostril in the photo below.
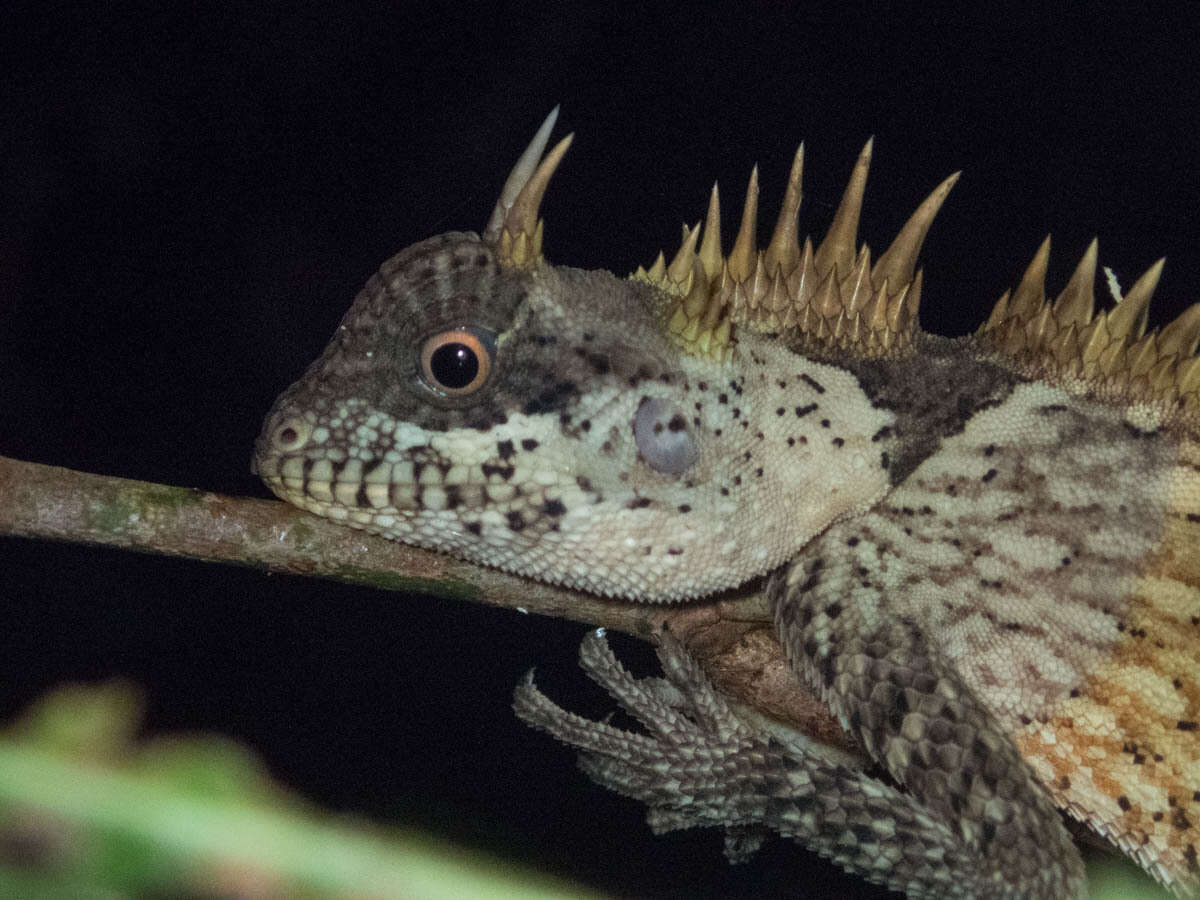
(291, 435)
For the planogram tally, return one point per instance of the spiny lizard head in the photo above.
(612, 435)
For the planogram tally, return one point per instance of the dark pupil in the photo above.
(454, 365)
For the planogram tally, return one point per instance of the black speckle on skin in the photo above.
(988, 475)
(554, 508)
(529, 444)
(474, 528)
(599, 363)
(809, 583)
(812, 383)
(802, 411)
(490, 469)
(550, 398)
(516, 521)
(1138, 432)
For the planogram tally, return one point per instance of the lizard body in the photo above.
(982, 553)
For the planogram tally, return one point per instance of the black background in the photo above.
(190, 196)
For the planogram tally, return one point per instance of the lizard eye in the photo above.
(457, 361)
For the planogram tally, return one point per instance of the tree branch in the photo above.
(731, 635)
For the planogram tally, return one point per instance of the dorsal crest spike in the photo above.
(1027, 300)
(1127, 321)
(681, 266)
(1077, 303)
(744, 254)
(518, 177)
(830, 302)
(1108, 355)
(1181, 336)
(900, 259)
(710, 247)
(840, 244)
(784, 249)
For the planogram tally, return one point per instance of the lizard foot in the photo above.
(700, 764)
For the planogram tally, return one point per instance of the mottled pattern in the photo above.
(1122, 751)
(992, 580)
(1030, 545)
(548, 470)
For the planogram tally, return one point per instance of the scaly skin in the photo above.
(983, 553)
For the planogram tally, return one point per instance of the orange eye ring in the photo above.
(455, 362)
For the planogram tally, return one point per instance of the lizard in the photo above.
(982, 553)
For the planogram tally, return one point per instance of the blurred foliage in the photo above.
(88, 811)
